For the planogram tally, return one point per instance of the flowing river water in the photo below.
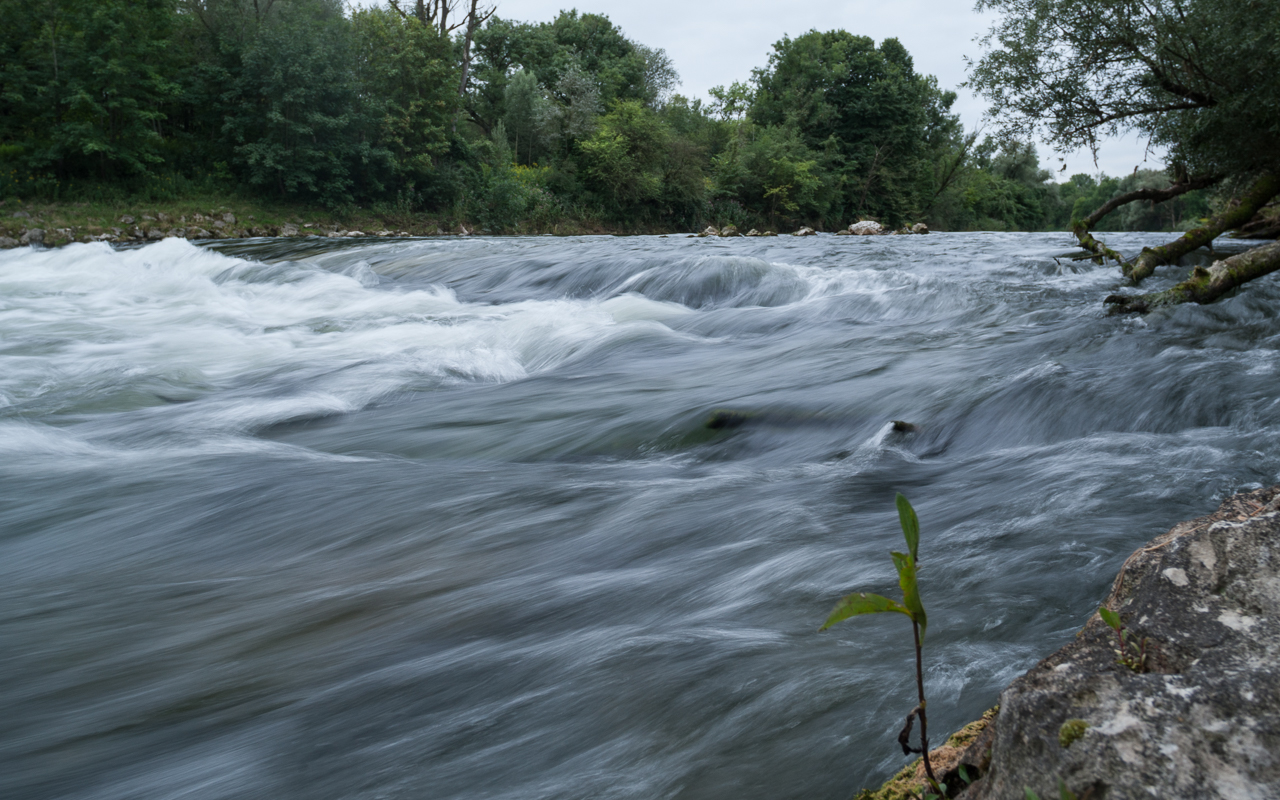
(444, 518)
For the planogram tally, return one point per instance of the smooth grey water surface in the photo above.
(443, 518)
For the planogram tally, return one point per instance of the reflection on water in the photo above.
(446, 518)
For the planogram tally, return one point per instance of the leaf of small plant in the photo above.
(906, 567)
(1063, 792)
(862, 603)
(964, 775)
(910, 526)
(1110, 617)
(1030, 795)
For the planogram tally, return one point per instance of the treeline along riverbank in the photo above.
(422, 116)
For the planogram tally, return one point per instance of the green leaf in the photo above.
(910, 526)
(1110, 617)
(862, 603)
(1030, 795)
(1063, 792)
(906, 567)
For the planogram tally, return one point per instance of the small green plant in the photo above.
(1130, 651)
(864, 603)
(1071, 731)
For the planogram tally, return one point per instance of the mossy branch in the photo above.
(1082, 228)
(1265, 188)
(1204, 285)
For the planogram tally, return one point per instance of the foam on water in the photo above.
(89, 328)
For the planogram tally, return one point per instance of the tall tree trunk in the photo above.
(1204, 285)
(474, 20)
(1265, 188)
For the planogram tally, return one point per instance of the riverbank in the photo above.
(1193, 710)
(228, 216)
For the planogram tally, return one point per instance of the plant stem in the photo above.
(924, 722)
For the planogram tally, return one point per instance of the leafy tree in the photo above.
(866, 104)
(568, 47)
(773, 170)
(294, 115)
(624, 160)
(1200, 77)
(524, 113)
(82, 83)
(405, 75)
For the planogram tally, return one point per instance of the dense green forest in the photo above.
(427, 108)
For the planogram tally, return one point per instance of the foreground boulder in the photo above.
(866, 227)
(1197, 714)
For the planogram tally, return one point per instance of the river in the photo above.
(444, 518)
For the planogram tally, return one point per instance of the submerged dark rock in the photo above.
(1201, 717)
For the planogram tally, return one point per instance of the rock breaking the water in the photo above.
(1202, 717)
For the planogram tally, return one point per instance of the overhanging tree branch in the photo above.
(1265, 188)
(1204, 285)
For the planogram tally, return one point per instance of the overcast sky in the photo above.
(715, 42)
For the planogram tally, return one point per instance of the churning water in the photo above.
(444, 519)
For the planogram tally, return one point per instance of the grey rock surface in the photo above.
(1203, 719)
(35, 236)
(7, 242)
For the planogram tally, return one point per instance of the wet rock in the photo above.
(844, 232)
(710, 230)
(905, 427)
(35, 236)
(866, 227)
(229, 218)
(335, 234)
(805, 231)
(919, 227)
(753, 232)
(729, 230)
(289, 229)
(1200, 717)
(903, 231)
(155, 234)
(199, 233)
(355, 233)
(7, 242)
